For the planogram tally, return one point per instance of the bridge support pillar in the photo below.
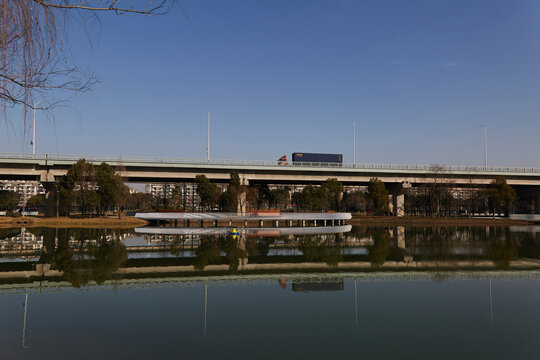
(399, 208)
(303, 223)
(396, 198)
(230, 222)
(201, 223)
(261, 223)
(242, 203)
(324, 222)
(245, 223)
(186, 223)
(215, 223)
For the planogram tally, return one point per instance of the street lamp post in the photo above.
(354, 142)
(34, 130)
(208, 143)
(485, 145)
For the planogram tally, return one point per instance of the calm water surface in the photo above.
(404, 293)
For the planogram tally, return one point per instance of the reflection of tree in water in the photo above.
(502, 248)
(9, 232)
(177, 246)
(232, 252)
(258, 246)
(207, 252)
(317, 249)
(380, 249)
(97, 255)
(210, 249)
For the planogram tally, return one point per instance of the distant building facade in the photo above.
(25, 189)
(187, 190)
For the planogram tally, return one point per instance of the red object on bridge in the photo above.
(265, 212)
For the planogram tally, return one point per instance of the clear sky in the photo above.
(279, 76)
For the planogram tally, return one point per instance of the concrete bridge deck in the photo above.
(48, 168)
(45, 167)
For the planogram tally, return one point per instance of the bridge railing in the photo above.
(118, 160)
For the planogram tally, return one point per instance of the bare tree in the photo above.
(34, 54)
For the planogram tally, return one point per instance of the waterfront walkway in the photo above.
(322, 218)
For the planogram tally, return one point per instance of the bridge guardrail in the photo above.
(266, 163)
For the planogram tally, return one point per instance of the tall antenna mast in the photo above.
(354, 142)
(208, 143)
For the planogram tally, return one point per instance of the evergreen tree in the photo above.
(378, 195)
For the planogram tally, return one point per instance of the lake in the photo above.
(371, 292)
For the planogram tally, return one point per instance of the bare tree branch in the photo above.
(35, 60)
(86, 5)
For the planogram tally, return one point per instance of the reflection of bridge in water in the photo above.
(268, 279)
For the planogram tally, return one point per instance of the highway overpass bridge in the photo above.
(47, 168)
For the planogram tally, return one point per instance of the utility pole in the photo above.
(208, 143)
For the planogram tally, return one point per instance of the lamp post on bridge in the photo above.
(354, 142)
(485, 145)
(34, 130)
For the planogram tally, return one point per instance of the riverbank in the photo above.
(131, 222)
(429, 221)
(72, 222)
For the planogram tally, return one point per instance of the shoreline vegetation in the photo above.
(430, 221)
(72, 222)
(362, 220)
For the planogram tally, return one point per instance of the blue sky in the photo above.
(418, 77)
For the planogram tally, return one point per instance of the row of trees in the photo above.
(236, 195)
(328, 196)
(441, 200)
(91, 188)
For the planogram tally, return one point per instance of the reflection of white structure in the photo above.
(155, 230)
(25, 240)
(109, 238)
(157, 239)
(25, 189)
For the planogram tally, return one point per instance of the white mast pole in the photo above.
(354, 142)
(34, 130)
(208, 143)
(485, 147)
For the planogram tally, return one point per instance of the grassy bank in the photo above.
(72, 222)
(429, 221)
